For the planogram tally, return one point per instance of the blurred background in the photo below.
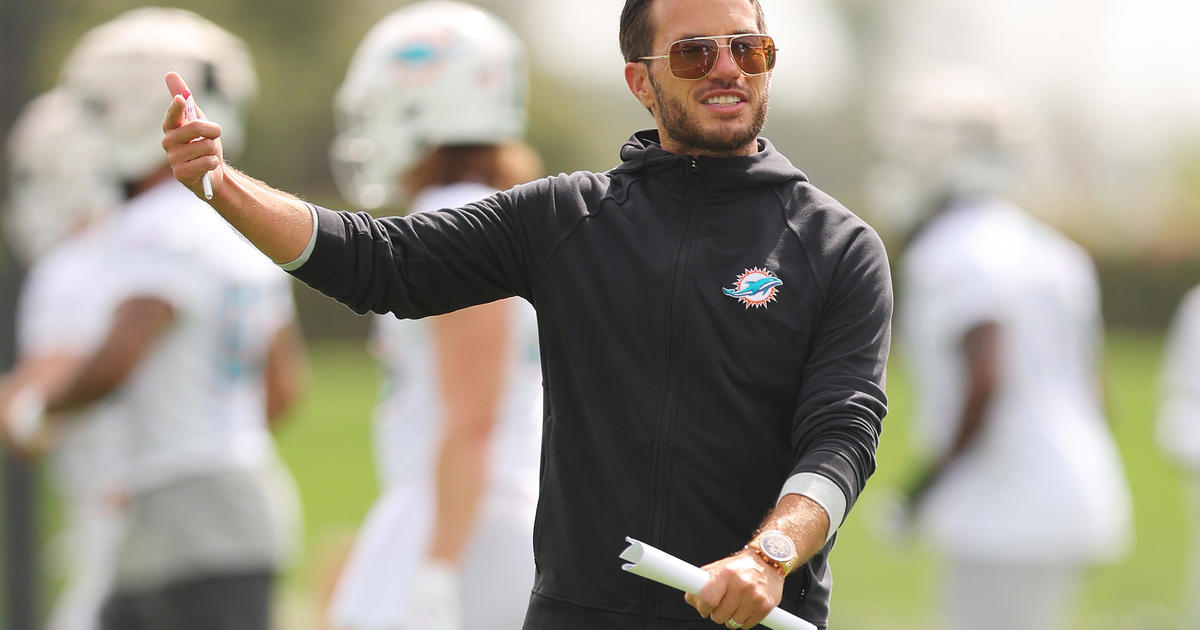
(1116, 91)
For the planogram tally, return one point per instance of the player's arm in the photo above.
(835, 431)
(38, 373)
(981, 352)
(471, 348)
(277, 223)
(137, 325)
(286, 374)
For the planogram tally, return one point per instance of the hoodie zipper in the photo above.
(670, 406)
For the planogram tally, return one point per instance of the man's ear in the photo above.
(637, 77)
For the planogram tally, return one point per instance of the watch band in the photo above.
(771, 562)
(776, 549)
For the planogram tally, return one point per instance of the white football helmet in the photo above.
(429, 74)
(56, 183)
(948, 134)
(117, 68)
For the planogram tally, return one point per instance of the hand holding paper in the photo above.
(659, 566)
(190, 113)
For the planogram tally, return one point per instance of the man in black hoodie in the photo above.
(714, 329)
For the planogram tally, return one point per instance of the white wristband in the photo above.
(27, 413)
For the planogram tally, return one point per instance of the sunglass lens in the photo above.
(754, 54)
(693, 58)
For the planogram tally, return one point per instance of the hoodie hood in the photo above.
(643, 152)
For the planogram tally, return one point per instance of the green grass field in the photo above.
(327, 445)
(877, 586)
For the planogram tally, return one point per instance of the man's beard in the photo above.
(686, 131)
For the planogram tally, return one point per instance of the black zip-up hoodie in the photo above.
(674, 411)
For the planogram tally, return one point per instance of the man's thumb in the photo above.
(175, 83)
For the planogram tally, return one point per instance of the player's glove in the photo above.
(435, 601)
(23, 419)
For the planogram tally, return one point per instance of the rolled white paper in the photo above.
(657, 565)
(190, 113)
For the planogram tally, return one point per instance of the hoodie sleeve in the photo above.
(435, 262)
(841, 405)
(428, 263)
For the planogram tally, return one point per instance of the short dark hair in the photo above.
(637, 33)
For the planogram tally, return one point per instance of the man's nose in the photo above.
(725, 66)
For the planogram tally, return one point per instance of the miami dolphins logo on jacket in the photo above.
(755, 287)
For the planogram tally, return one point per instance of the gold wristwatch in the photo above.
(776, 549)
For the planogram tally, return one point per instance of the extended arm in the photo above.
(275, 222)
(415, 266)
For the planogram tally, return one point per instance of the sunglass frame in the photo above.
(768, 45)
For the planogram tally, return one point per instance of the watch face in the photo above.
(777, 546)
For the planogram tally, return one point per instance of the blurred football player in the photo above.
(1000, 318)
(1178, 422)
(430, 115)
(55, 221)
(203, 341)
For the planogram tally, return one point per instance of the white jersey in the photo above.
(198, 399)
(1178, 423)
(1043, 480)
(64, 309)
(408, 418)
(393, 541)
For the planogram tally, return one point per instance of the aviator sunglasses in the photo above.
(695, 57)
